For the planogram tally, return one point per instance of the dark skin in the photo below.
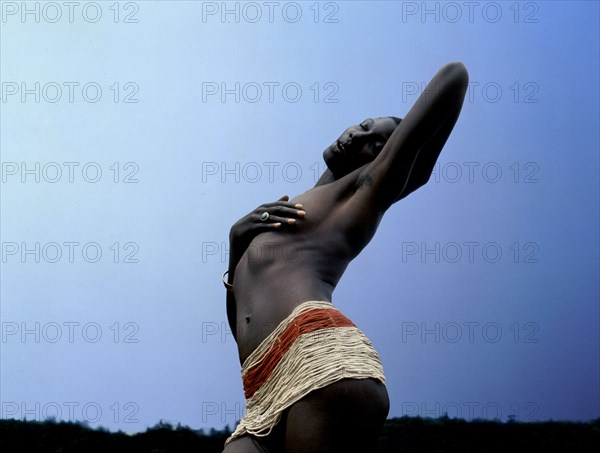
(302, 250)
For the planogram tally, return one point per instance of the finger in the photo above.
(285, 211)
(273, 218)
(262, 226)
(282, 213)
(275, 203)
(283, 220)
(284, 204)
(284, 198)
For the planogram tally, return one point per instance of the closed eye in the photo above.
(365, 125)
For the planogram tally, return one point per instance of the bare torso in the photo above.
(302, 262)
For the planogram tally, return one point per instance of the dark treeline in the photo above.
(406, 435)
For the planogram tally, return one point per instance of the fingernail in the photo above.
(301, 213)
(291, 221)
(277, 225)
(298, 205)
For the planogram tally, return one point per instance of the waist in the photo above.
(267, 292)
(306, 318)
(260, 314)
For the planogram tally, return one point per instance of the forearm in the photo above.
(443, 95)
(428, 118)
(428, 155)
(231, 313)
(236, 250)
(235, 254)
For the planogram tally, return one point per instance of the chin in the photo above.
(330, 156)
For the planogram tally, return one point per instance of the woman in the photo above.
(312, 380)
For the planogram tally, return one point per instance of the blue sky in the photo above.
(133, 136)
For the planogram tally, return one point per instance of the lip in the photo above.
(340, 147)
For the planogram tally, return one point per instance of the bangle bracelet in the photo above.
(228, 286)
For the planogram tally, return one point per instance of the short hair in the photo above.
(396, 119)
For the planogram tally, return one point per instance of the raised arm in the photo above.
(407, 159)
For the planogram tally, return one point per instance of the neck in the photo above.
(326, 178)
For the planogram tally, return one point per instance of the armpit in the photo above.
(364, 180)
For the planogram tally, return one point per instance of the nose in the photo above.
(355, 134)
(352, 133)
(346, 143)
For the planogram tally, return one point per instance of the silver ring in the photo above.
(264, 216)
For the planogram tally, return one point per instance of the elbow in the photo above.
(455, 79)
(461, 73)
(457, 72)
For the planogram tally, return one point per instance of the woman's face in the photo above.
(358, 145)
